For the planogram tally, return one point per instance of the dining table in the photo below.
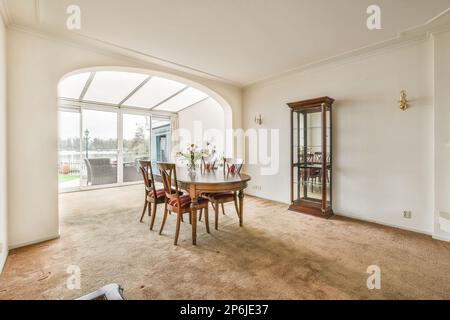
(201, 181)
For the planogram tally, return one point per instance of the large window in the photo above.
(161, 140)
(136, 144)
(102, 146)
(69, 166)
(99, 148)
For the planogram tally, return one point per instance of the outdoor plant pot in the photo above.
(66, 169)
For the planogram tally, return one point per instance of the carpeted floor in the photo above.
(278, 254)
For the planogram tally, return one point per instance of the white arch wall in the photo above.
(36, 64)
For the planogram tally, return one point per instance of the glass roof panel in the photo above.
(182, 100)
(153, 92)
(113, 86)
(72, 86)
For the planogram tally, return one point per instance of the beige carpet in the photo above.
(278, 254)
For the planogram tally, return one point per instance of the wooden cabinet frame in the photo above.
(300, 201)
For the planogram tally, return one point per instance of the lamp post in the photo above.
(86, 139)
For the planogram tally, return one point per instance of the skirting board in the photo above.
(357, 217)
(16, 246)
(441, 237)
(2, 262)
(387, 224)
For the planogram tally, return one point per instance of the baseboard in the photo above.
(249, 193)
(25, 244)
(361, 218)
(3, 261)
(441, 237)
(387, 224)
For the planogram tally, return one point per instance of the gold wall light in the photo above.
(403, 102)
(258, 120)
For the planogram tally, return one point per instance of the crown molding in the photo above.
(349, 56)
(436, 25)
(110, 49)
(5, 14)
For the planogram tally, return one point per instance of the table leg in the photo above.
(241, 207)
(194, 205)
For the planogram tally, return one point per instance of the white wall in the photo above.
(3, 171)
(208, 117)
(442, 131)
(383, 157)
(36, 64)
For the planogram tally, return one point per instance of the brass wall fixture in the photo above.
(258, 120)
(403, 102)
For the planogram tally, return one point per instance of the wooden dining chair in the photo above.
(208, 163)
(230, 166)
(175, 201)
(152, 195)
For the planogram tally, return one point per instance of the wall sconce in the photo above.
(258, 120)
(403, 102)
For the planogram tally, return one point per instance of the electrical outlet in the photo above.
(407, 214)
(255, 187)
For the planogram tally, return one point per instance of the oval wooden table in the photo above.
(202, 181)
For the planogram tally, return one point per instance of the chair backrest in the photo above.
(169, 174)
(231, 165)
(208, 163)
(145, 167)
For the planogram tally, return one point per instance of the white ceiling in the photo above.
(129, 90)
(240, 40)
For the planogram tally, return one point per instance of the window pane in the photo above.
(182, 100)
(112, 87)
(161, 138)
(136, 145)
(69, 150)
(99, 148)
(153, 92)
(72, 86)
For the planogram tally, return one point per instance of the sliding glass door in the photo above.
(69, 160)
(161, 137)
(136, 144)
(101, 147)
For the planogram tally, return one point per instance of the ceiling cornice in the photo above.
(348, 56)
(111, 49)
(438, 24)
(4, 12)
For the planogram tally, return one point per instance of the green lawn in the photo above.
(65, 178)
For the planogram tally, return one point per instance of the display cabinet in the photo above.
(311, 156)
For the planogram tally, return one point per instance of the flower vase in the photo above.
(191, 167)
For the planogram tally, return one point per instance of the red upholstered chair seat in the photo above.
(185, 201)
(159, 193)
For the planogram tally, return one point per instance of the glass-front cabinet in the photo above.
(311, 157)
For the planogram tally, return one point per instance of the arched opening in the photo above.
(112, 117)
